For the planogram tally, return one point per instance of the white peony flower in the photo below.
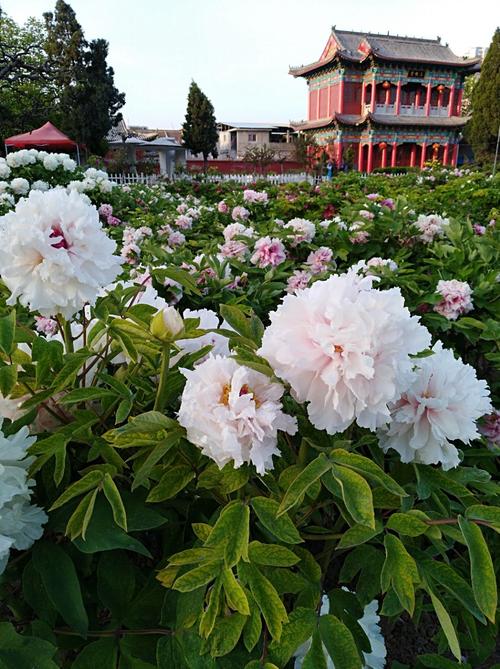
(69, 164)
(51, 162)
(431, 226)
(304, 230)
(20, 523)
(40, 185)
(233, 413)
(442, 404)
(369, 622)
(54, 255)
(344, 348)
(4, 169)
(20, 186)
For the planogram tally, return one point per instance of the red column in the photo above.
(445, 153)
(417, 97)
(459, 102)
(413, 155)
(317, 104)
(428, 99)
(363, 97)
(339, 153)
(384, 156)
(394, 154)
(451, 100)
(387, 95)
(360, 157)
(440, 99)
(398, 99)
(341, 94)
(454, 157)
(422, 155)
(369, 167)
(309, 106)
(328, 101)
(374, 95)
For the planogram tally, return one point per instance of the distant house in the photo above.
(236, 138)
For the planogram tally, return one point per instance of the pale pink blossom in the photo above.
(442, 404)
(233, 413)
(479, 229)
(456, 299)
(182, 208)
(114, 221)
(184, 222)
(268, 252)
(367, 214)
(304, 230)
(344, 348)
(46, 326)
(298, 281)
(372, 196)
(240, 214)
(490, 428)
(105, 210)
(234, 249)
(236, 230)
(430, 227)
(176, 238)
(254, 196)
(222, 207)
(360, 237)
(319, 260)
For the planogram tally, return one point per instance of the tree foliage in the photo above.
(199, 130)
(485, 121)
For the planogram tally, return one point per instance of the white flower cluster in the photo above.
(20, 522)
(54, 255)
(131, 239)
(345, 349)
(93, 179)
(366, 267)
(304, 230)
(24, 157)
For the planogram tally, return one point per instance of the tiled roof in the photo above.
(383, 119)
(387, 47)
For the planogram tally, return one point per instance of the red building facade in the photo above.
(395, 101)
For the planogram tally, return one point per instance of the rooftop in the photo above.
(357, 46)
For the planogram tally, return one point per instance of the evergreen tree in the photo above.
(88, 101)
(485, 122)
(199, 130)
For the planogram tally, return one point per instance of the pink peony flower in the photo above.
(456, 299)
(105, 210)
(233, 413)
(176, 238)
(184, 222)
(360, 237)
(388, 202)
(182, 208)
(234, 249)
(114, 221)
(236, 229)
(373, 196)
(304, 230)
(318, 260)
(367, 214)
(298, 281)
(344, 348)
(431, 226)
(479, 229)
(46, 326)
(254, 196)
(268, 252)
(222, 207)
(240, 214)
(490, 428)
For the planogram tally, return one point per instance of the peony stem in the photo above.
(67, 335)
(161, 392)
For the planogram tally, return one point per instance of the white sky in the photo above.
(238, 51)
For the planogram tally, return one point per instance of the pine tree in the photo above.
(485, 122)
(199, 130)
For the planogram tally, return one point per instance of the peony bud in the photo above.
(167, 324)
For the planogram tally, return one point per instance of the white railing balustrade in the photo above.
(385, 109)
(412, 110)
(295, 177)
(130, 179)
(438, 111)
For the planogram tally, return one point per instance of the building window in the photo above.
(252, 137)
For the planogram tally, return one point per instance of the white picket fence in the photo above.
(129, 179)
(251, 178)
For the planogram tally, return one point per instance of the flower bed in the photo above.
(247, 427)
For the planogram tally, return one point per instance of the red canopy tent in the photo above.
(48, 136)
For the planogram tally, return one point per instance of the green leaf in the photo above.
(253, 627)
(174, 480)
(271, 554)
(91, 480)
(448, 578)
(309, 475)
(196, 555)
(235, 595)
(80, 518)
(199, 576)
(102, 654)
(115, 582)
(282, 528)
(267, 599)
(400, 571)
(315, 656)
(61, 582)
(366, 468)
(490, 514)
(113, 496)
(158, 452)
(226, 634)
(359, 534)
(339, 643)
(357, 495)
(232, 531)
(298, 629)
(481, 568)
(207, 621)
(85, 395)
(407, 524)
(73, 362)
(7, 332)
(8, 379)
(446, 624)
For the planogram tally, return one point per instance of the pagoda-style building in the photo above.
(397, 101)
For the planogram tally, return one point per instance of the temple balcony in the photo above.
(408, 110)
(412, 110)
